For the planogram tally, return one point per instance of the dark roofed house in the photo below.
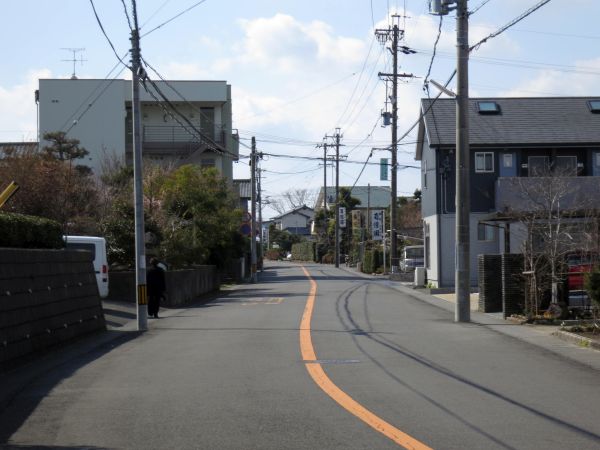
(297, 221)
(511, 139)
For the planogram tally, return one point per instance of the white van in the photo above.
(412, 256)
(97, 246)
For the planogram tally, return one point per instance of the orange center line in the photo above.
(319, 376)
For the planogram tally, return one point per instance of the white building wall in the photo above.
(101, 129)
(448, 239)
(433, 272)
(294, 220)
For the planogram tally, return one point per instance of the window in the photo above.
(204, 163)
(539, 166)
(594, 106)
(566, 166)
(484, 162)
(507, 160)
(485, 232)
(488, 107)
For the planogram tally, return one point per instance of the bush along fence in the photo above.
(373, 261)
(304, 251)
(21, 231)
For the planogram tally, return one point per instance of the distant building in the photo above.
(298, 221)
(378, 197)
(243, 188)
(98, 113)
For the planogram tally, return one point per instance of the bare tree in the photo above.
(559, 216)
(292, 199)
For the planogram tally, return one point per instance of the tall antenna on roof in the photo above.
(74, 60)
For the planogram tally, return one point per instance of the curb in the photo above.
(573, 338)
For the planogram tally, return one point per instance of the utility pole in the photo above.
(462, 282)
(260, 224)
(463, 196)
(253, 213)
(140, 244)
(325, 179)
(394, 34)
(337, 197)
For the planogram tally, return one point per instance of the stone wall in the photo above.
(47, 297)
(183, 286)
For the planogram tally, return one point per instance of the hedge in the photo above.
(21, 231)
(372, 261)
(303, 251)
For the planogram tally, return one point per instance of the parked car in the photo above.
(578, 265)
(97, 246)
(412, 256)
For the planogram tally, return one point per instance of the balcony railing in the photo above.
(564, 194)
(179, 134)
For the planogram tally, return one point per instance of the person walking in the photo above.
(155, 283)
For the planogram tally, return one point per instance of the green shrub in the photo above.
(592, 285)
(303, 251)
(372, 261)
(20, 231)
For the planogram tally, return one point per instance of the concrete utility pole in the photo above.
(140, 244)
(337, 197)
(260, 224)
(462, 281)
(394, 33)
(463, 196)
(253, 213)
(325, 179)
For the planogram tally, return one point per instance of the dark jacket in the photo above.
(155, 281)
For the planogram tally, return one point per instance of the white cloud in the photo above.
(582, 81)
(18, 109)
(285, 44)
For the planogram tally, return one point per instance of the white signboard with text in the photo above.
(342, 217)
(377, 222)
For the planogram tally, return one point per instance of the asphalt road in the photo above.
(386, 370)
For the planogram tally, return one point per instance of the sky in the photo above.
(299, 69)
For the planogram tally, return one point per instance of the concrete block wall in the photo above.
(183, 286)
(47, 297)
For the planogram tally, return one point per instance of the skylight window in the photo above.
(488, 107)
(594, 106)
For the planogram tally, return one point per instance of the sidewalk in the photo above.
(541, 336)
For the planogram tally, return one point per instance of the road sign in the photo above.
(383, 169)
(342, 217)
(377, 222)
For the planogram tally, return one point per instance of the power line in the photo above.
(155, 13)
(509, 24)
(173, 18)
(106, 35)
(485, 2)
(437, 39)
(127, 14)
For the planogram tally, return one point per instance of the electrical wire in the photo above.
(127, 14)
(362, 70)
(485, 2)
(155, 13)
(437, 40)
(173, 18)
(106, 35)
(509, 24)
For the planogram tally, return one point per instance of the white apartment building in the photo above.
(98, 113)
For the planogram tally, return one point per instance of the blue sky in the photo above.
(296, 67)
